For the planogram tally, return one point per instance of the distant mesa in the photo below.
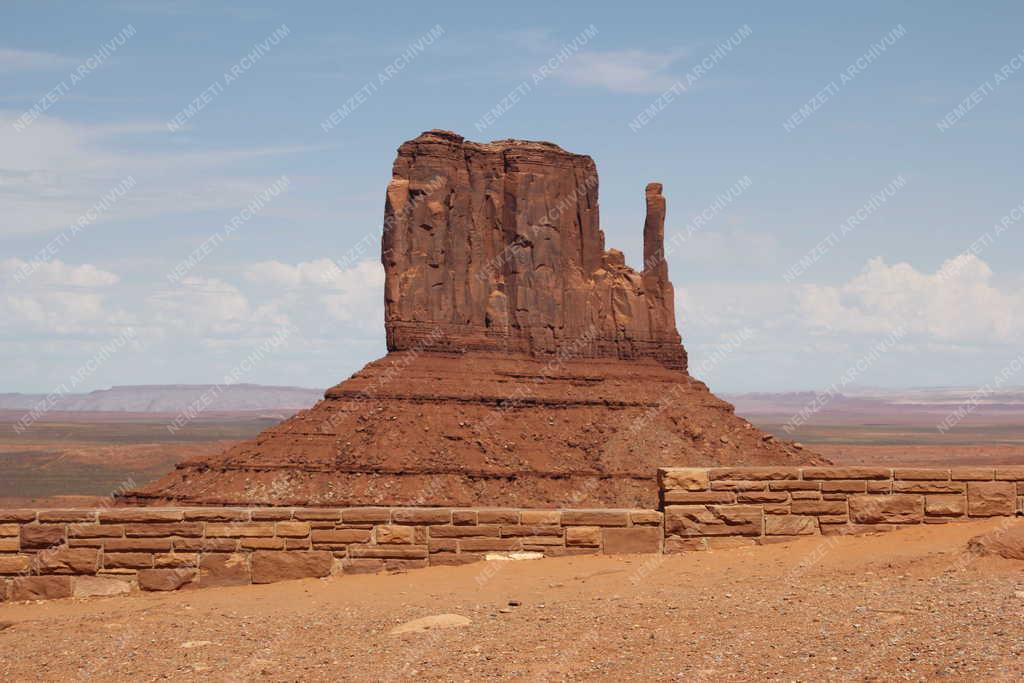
(527, 364)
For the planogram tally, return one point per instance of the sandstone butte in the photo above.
(527, 365)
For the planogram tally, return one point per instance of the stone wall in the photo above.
(705, 507)
(62, 553)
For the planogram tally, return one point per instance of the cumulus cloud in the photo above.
(57, 298)
(346, 294)
(959, 303)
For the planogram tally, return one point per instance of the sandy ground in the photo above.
(909, 605)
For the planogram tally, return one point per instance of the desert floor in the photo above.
(908, 605)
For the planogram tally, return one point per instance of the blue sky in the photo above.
(876, 81)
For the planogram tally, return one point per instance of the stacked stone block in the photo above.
(707, 507)
(63, 553)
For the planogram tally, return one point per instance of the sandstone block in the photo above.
(185, 529)
(818, 507)
(13, 515)
(68, 561)
(644, 517)
(176, 560)
(165, 579)
(548, 517)
(684, 478)
(362, 566)
(595, 518)
(490, 530)
(123, 515)
(59, 516)
(14, 564)
(989, 499)
(737, 485)
(463, 517)
(216, 515)
(437, 545)
(10, 545)
(40, 588)
(794, 486)
(40, 536)
(127, 560)
(335, 538)
(99, 587)
(497, 516)
(928, 487)
(128, 545)
(927, 474)
(453, 559)
(847, 473)
(261, 544)
(762, 497)
(393, 533)
(10, 530)
(587, 536)
(714, 520)
(790, 525)
(421, 516)
(631, 540)
(972, 474)
(535, 530)
(366, 515)
(292, 529)
(894, 509)
(675, 497)
(264, 515)
(223, 569)
(945, 505)
(1010, 473)
(486, 544)
(844, 486)
(317, 514)
(209, 545)
(389, 552)
(754, 473)
(268, 567)
(239, 530)
(95, 530)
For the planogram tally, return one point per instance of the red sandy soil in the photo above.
(918, 455)
(908, 605)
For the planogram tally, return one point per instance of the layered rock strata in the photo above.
(527, 364)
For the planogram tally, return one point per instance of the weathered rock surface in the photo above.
(498, 247)
(528, 366)
(1007, 541)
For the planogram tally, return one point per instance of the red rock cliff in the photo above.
(498, 247)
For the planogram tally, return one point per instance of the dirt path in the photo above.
(903, 606)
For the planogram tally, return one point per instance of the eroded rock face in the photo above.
(498, 246)
(528, 366)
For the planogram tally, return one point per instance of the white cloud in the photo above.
(57, 298)
(53, 172)
(622, 71)
(57, 273)
(350, 294)
(959, 303)
(30, 60)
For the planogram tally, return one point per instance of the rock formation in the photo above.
(527, 365)
(498, 247)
